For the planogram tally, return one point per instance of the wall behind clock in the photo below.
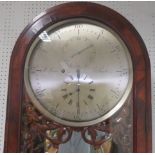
(14, 16)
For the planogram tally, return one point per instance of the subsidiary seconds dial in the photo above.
(78, 72)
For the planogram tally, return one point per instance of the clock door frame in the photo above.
(142, 123)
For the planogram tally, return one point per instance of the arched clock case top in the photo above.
(141, 90)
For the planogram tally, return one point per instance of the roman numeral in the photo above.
(90, 82)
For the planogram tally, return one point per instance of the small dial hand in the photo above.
(78, 90)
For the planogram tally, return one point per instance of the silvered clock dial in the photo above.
(78, 72)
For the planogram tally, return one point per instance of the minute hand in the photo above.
(81, 51)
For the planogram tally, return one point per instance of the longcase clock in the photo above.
(79, 67)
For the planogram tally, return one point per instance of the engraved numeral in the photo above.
(78, 26)
(92, 89)
(70, 102)
(64, 89)
(90, 97)
(65, 96)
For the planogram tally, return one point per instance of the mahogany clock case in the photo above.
(141, 90)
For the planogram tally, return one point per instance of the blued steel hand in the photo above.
(81, 51)
(78, 90)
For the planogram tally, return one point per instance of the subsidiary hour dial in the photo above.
(78, 72)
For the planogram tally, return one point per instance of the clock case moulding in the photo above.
(19, 103)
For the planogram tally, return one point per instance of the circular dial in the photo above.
(78, 72)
